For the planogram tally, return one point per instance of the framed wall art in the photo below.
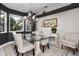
(50, 23)
(47, 23)
(54, 22)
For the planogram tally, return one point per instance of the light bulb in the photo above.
(36, 19)
(29, 14)
(25, 17)
(33, 16)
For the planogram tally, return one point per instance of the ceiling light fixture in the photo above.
(31, 16)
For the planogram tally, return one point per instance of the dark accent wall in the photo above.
(2, 7)
(6, 37)
(62, 9)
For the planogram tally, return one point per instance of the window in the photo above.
(3, 21)
(16, 22)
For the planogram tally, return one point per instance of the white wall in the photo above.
(68, 21)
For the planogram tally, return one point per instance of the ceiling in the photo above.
(34, 7)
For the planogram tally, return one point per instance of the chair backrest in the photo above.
(46, 32)
(73, 37)
(18, 41)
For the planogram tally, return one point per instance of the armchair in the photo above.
(71, 40)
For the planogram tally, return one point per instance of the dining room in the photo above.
(38, 29)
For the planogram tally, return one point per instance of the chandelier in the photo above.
(31, 16)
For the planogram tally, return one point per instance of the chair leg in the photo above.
(17, 53)
(48, 45)
(16, 50)
(22, 54)
(76, 49)
(33, 52)
(62, 46)
(15, 47)
(73, 51)
(43, 48)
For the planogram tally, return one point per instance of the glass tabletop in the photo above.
(39, 37)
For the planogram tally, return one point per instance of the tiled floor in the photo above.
(54, 51)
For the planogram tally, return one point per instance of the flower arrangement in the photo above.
(54, 29)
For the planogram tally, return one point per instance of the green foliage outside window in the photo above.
(1, 23)
(14, 25)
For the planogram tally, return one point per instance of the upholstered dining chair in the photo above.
(22, 45)
(45, 40)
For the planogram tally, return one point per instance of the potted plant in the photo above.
(53, 29)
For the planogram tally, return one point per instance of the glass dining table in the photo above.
(36, 39)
